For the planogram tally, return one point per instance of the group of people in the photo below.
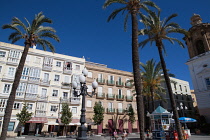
(125, 134)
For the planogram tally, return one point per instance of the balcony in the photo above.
(129, 98)
(110, 110)
(30, 96)
(100, 81)
(120, 111)
(100, 95)
(110, 96)
(40, 113)
(65, 85)
(67, 70)
(120, 97)
(7, 78)
(119, 84)
(33, 80)
(110, 82)
(43, 98)
(2, 110)
(19, 95)
(47, 67)
(64, 99)
(13, 61)
(44, 82)
(75, 100)
(128, 85)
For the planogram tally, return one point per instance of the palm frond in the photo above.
(17, 21)
(109, 2)
(125, 21)
(151, 4)
(10, 26)
(50, 35)
(143, 43)
(114, 13)
(47, 43)
(15, 39)
(44, 29)
(14, 35)
(169, 18)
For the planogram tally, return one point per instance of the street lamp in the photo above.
(182, 108)
(82, 130)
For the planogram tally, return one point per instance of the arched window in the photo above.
(200, 47)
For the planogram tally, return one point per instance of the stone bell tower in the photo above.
(199, 37)
(198, 42)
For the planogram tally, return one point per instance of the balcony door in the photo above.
(46, 77)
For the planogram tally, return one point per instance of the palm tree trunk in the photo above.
(11, 99)
(170, 92)
(136, 73)
(152, 94)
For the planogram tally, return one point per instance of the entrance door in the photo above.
(110, 125)
(129, 127)
(38, 128)
(26, 130)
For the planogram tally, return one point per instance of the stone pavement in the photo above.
(97, 137)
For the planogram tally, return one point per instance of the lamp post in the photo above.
(182, 108)
(82, 130)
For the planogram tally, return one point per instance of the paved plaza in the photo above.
(96, 137)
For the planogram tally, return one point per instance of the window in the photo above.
(46, 77)
(48, 62)
(11, 126)
(89, 88)
(57, 77)
(77, 67)
(6, 88)
(35, 74)
(31, 88)
(175, 86)
(3, 103)
(44, 93)
(120, 92)
(55, 93)
(53, 108)
(200, 47)
(111, 78)
(2, 54)
(68, 66)
(29, 106)
(11, 72)
(21, 87)
(25, 73)
(16, 106)
(207, 83)
(185, 88)
(180, 87)
(89, 103)
(65, 95)
(0, 68)
(41, 106)
(109, 90)
(38, 60)
(14, 56)
(74, 110)
(110, 105)
(58, 64)
(90, 74)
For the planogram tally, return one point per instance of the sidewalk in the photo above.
(98, 137)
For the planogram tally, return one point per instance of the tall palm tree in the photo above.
(33, 34)
(157, 31)
(133, 7)
(151, 76)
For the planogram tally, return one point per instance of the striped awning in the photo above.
(37, 120)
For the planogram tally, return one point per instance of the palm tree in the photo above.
(33, 34)
(133, 7)
(157, 31)
(151, 75)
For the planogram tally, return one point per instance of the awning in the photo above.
(73, 122)
(52, 123)
(37, 120)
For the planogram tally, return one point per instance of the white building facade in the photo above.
(199, 63)
(45, 84)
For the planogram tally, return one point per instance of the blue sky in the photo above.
(84, 31)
